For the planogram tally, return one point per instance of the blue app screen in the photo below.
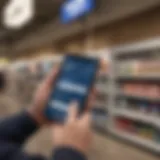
(73, 84)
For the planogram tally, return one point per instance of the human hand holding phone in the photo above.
(36, 110)
(76, 131)
(75, 81)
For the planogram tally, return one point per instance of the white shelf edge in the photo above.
(150, 119)
(133, 115)
(139, 97)
(156, 122)
(145, 77)
(138, 140)
(139, 46)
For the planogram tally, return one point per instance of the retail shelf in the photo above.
(134, 115)
(102, 88)
(139, 77)
(138, 116)
(135, 48)
(139, 97)
(142, 51)
(100, 120)
(156, 122)
(97, 103)
(137, 140)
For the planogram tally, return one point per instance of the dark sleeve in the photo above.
(10, 151)
(17, 129)
(68, 154)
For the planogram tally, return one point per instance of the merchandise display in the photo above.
(127, 89)
(100, 111)
(142, 89)
(136, 94)
(140, 106)
(30, 72)
(140, 68)
(99, 117)
(136, 128)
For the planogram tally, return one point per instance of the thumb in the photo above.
(72, 112)
(86, 120)
(51, 78)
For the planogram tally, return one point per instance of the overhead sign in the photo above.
(18, 13)
(73, 9)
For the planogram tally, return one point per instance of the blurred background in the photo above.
(36, 34)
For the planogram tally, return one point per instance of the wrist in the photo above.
(39, 119)
(75, 147)
(71, 153)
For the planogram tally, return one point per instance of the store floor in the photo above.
(103, 148)
(108, 149)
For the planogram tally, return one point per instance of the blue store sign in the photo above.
(73, 9)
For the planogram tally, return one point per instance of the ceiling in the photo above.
(45, 23)
(46, 11)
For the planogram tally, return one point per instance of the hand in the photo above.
(41, 98)
(75, 133)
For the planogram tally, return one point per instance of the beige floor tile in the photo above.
(103, 148)
(108, 149)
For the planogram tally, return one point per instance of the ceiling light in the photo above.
(17, 13)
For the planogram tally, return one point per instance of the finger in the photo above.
(73, 112)
(91, 99)
(47, 85)
(57, 134)
(51, 77)
(57, 127)
(86, 120)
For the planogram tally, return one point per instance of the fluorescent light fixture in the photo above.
(73, 9)
(17, 13)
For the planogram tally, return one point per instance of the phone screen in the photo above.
(73, 83)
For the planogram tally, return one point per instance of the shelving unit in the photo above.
(137, 140)
(126, 63)
(100, 108)
(139, 97)
(106, 109)
(139, 78)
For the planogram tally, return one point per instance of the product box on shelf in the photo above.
(139, 67)
(135, 128)
(149, 90)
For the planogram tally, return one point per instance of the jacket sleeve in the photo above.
(10, 151)
(17, 129)
(13, 152)
(66, 153)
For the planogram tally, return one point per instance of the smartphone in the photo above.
(73, 83)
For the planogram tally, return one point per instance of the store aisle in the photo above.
(103, 148)
(108, 149)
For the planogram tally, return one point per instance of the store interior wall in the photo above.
(138, 28)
